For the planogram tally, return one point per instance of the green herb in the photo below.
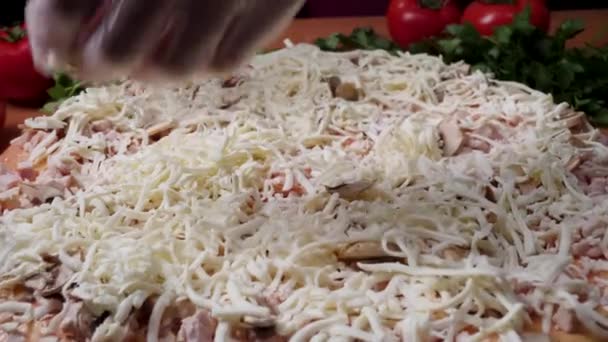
(13, 34)
(360, 38)
(517, 52)
(64, 88)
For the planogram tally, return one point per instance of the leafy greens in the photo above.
(517, 52)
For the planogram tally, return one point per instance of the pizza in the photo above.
(309, 196)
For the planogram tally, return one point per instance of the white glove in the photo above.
(106, 39)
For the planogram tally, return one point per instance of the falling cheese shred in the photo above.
(232, 203)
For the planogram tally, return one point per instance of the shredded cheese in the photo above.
(233, 202)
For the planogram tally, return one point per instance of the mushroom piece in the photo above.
(161, 129)
(259, 322)
(362, 250)
(49, 283)
(452, 137)
(350, 191)
(231, 82)
(528, 186)
(334, 82)
(347, 91)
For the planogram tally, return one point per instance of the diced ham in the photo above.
(381, 286)
(11, 337)
(198, 328)
(5, 317)
(586, 249)
(36, 139)
(452, 137)
(488, 131)
(57, 168)
(25, 137)
(522, 287)
(477, 144)
(8, 179)
(112, 135)
(45, 307)
(42, 192)
(258, 335)
(603, 138)
(598, 186)
(512, 121)
(77, 322)
(103, 126)
(26, 171)
(564, 319)
(271, 301)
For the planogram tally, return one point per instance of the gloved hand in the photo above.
(106, 39)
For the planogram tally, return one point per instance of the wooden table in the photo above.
(307, 30)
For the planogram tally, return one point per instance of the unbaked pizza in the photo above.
(310, 196)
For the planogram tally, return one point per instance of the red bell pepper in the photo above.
(410, 21)
(486, 15)
(19, 80)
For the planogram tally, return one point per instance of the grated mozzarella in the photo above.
(234, 202)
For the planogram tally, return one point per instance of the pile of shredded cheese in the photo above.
(233, 204)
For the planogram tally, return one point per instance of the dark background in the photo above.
(12, 10)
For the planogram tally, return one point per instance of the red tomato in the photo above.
(2, 113)
(410, 21)
(19, 80)
(486, 15)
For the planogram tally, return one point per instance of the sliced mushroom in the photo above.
(350, 191)
(231, 82)
(49, 283)
(529, 186)
(455, 253)
(230, 99)
(334, 82)
(317, 203)
(259, 322)
(490, 194)
(347, 91)
(492, 217)
(161, 129)
(363, 250)
(103, 125)
(318, 140)
(452, 137)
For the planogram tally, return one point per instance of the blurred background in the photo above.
(331, 8)
(12, 10)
